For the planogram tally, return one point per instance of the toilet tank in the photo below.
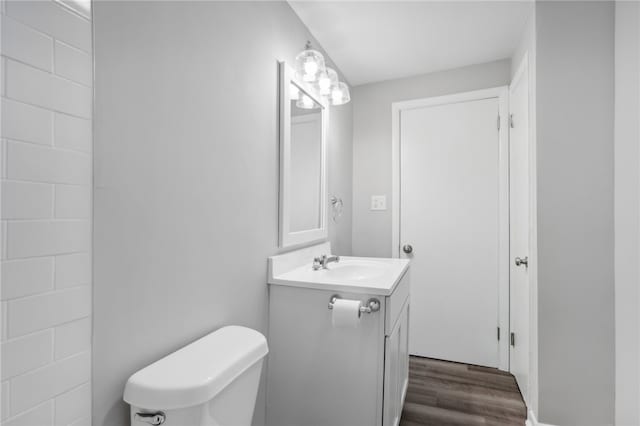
(210, 382)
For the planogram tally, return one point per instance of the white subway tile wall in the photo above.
(4, 392)
(40, 415)
(26, 44)
(74, 405)
(72, 338)
(37, 386)
(24, 277)
(26, 200)
(26, 122)
(46, 170)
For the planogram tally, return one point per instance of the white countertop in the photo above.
(368, 275)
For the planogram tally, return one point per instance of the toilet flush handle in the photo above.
(156, 418)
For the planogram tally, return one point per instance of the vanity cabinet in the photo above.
(322, 375)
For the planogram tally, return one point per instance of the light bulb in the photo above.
(294, 93)
(309, 63)
(340, 94)
(327, 79)
(324, 83)
(307, 102)
(336, 95)
(310, 66)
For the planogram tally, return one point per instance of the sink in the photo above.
(352, 274)
(353, 270)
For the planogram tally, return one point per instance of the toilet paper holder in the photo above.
(373, 304)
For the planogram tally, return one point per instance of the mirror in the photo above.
(303, 117)
(306, 158)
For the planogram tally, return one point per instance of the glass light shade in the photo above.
(309, 65)
(305, 102)
(340, 94)
(326, 81)
(294, 92)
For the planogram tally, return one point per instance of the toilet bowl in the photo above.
(210, 382)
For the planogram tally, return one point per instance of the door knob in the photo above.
(407, 248)
(524, 261)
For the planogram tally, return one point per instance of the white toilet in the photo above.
(211, 382)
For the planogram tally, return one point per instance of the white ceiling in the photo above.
(382, 40)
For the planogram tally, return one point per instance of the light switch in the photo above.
(378, 202)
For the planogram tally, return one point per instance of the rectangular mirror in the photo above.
(303, 121)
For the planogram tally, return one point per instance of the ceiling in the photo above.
(382, 40)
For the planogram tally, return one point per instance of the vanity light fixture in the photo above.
(311, 69)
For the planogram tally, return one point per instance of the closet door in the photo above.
(520, 230)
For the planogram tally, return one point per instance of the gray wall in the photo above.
(627, 211)
(340, 175)
(186, 177)
(574, 75)
(372, 141)
(526, 45)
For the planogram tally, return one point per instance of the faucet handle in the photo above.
(317, 262)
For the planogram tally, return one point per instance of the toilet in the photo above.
(210, 382)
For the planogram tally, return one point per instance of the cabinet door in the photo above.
(396, 369)
(403, 378)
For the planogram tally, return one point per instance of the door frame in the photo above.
(502, 94)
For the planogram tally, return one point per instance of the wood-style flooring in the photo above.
(443, 393)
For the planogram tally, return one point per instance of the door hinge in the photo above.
(513, 339)
(511, 120)
(498, 334)
(498, 122)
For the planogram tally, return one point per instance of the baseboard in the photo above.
(533, 421)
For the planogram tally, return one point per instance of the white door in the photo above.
(519, 232)
(450, 215)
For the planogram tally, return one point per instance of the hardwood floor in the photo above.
(443, 393)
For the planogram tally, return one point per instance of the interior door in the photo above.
(519, 232)
(449, 215)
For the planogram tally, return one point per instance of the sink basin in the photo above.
(353, 270)
(352, 274)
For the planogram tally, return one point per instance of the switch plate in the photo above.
(378, 202)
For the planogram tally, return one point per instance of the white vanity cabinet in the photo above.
(322, 375)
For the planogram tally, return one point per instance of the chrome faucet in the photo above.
(322, 261)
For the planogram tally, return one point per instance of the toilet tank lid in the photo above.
(197, 372)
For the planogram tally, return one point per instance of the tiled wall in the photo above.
(46, 213)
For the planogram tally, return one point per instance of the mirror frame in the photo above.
(287, 238)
